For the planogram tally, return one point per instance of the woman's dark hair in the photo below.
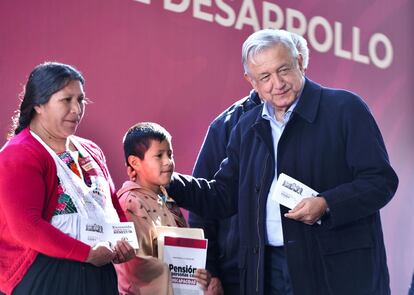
(45, 80)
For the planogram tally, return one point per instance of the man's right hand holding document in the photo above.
(301, 199)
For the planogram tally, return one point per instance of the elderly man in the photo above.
(223, 235)
(328, 140)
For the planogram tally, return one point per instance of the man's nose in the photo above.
(278, 81)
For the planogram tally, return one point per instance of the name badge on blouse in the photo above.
(89, 166)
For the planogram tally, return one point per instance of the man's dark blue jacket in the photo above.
(222, 235)
(332, 144)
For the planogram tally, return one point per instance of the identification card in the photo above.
(289, 191)
(93, 232)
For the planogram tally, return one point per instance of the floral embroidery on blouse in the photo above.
(68, 160)
(65, 204)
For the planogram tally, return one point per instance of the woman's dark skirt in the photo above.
(48, 275)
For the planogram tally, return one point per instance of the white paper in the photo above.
(183, 257)
(289, 191)
(93, 232)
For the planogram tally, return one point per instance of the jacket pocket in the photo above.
(345, 239)
(348, 257)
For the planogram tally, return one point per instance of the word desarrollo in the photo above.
(323, 35)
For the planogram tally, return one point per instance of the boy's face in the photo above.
(157, 166)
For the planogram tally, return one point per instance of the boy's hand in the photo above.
(215, 287)
(132, 174)
(203, 278)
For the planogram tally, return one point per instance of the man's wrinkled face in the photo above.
(276, 75)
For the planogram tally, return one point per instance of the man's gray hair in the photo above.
(264, 39)
(302, 46)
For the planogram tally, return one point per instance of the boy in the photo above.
(148, 153)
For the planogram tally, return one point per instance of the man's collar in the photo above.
(308, 103)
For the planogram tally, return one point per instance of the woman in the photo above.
(50, 180)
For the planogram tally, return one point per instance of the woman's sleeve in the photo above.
(24, 196)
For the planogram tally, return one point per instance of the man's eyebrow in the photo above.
(284, 65)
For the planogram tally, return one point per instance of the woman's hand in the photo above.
(100, 254)
(123, 252)
(203, 278)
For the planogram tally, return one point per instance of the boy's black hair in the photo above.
(138, 138)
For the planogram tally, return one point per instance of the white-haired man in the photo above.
(325, 138)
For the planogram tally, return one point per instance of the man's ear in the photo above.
(300, 63)
(250, 80)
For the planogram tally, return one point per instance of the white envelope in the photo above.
(181, 232)
(93, 232)
(289, 191)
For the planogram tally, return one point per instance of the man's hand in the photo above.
(309, 210)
